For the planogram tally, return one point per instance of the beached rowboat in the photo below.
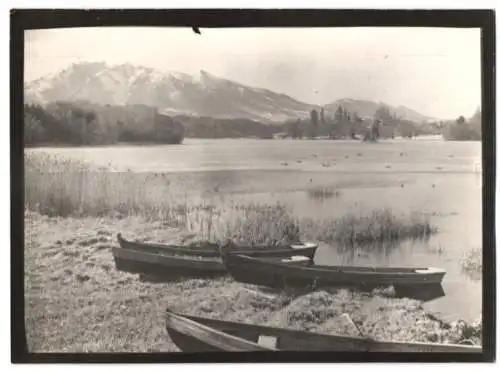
(163, 266)
(302, 272)
(213, 250)
(198, 334)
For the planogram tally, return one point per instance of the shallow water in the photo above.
(436, 178)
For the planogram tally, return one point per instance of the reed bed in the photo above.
(60, 187)
(381, 226)
(323, 193)
(244, 224)
(472, 263)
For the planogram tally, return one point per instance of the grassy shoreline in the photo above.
(77, 302)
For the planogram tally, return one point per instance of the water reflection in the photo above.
(475, 276)
(381, 250)
(422, 292)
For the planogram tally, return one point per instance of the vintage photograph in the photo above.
(253, 189)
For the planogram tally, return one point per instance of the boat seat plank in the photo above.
(268, 341)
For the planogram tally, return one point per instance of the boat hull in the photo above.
(166, 267)
(198, 334)
(193, 336)
(212, 250)
(216, 335)
(276, 274)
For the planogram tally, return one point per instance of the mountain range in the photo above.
(177, 93)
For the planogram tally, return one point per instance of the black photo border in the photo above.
(27, 19)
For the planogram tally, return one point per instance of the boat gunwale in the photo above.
(216, 251)
(276, 262)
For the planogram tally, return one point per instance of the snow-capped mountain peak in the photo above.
(199, 94)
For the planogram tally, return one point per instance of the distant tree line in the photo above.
(84, 123)
(208, 127)
(462, 129)
(345, 124)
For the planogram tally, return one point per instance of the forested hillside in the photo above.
(84, 123)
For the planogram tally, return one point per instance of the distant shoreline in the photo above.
(155, 144)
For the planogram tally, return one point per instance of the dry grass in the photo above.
(77, 302)
(62, 187)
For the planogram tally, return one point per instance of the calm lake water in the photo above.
(437, 178)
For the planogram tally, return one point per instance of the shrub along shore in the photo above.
(76, 300)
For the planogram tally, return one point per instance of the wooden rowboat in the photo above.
(281, 273)
(166, 267)
(213, 250)
(198, 334)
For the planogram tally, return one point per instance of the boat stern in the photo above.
(433, 274)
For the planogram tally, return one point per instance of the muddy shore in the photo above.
(76, 301)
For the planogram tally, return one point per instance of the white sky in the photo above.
(434, 71)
